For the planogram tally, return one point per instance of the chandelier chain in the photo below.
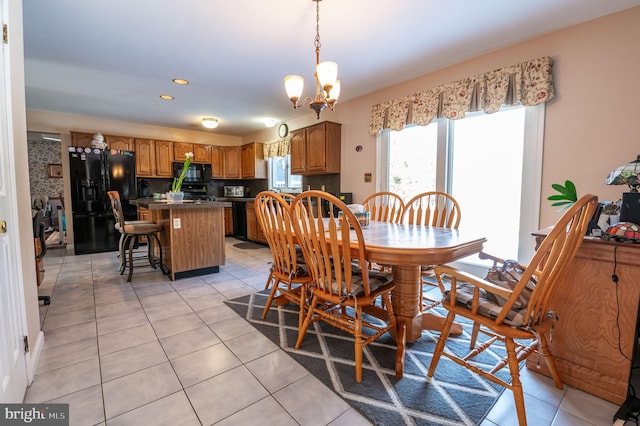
(316, 42)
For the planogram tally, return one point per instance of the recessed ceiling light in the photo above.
(166, 97)
(180, 81)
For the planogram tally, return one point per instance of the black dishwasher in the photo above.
(239, 211)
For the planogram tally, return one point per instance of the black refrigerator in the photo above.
(93, 172)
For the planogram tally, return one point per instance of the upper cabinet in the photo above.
(164, 158)
(81, 139)
(253, 164)
(145, 157)
(316, 149)
(180, 149)
(119, 142)
(232, 162)
(201, 153)
(217, 162)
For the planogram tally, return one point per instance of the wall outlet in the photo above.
(176, 223)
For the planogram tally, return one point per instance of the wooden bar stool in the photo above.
(131, 232)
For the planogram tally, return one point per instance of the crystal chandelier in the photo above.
(327, 84)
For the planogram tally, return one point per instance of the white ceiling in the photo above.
(114, 58)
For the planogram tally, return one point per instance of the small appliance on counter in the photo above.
(234, 191)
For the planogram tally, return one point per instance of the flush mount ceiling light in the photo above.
(166, 97)
(269, 122)
(180, 81)
(210, 123)
(327, 85)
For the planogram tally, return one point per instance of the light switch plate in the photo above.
(176, 223)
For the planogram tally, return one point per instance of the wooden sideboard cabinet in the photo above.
(593, 341)
(316, 149)
(145, 157)
(254, 166)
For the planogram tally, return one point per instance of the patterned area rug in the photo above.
(454, 397)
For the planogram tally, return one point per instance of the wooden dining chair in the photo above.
(432, 208)
(288, 276)
(341, 293)
(384, 206)
(519, 316)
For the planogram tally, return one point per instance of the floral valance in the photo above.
(528, 83)
(277, 148)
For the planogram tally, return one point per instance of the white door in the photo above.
(13, 368)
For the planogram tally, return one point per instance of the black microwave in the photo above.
(196, 173)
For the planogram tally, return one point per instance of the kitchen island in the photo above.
(192, 235)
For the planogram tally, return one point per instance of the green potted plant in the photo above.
(566, 197)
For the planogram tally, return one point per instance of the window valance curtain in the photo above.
(528, 83)
(277, 148)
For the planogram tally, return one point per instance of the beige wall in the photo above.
(591, 126)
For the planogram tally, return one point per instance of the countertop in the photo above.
(236, 199)
(153, 204)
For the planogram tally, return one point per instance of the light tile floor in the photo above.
(160, 352)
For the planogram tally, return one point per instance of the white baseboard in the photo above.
(34, 356)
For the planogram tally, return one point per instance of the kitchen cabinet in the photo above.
(254, 165)
(144, 214)
(81, 139)
(217, 162)
(254, 231)
(201, 153)
(232, 162)
(180, 149)
(119, 142)
(228, 221)
(164, 158)
(316, 149)
(145, 158)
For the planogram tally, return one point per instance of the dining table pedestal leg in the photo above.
(407, 298)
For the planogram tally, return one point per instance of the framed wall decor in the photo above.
(55, 170)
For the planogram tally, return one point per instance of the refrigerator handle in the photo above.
(106, 180)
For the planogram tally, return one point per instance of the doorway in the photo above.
(46, 184)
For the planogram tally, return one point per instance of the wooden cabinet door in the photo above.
(217, 162)
(252, 223)
(254, 166)
(201, 153)
(315, 149)
(81, 139)
(297, 151)
(248, 161)
(145, 158)
(232, 161)
(228, 221)
(119, 142)
(180, 149)
(164, 158)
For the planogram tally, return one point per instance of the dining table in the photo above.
(407, 248)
